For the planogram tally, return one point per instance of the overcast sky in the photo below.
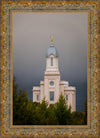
(31, 39)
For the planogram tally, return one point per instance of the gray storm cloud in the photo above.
(31, 39)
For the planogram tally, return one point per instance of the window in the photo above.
(66, 97)
(51, 61)
(51, 83)
(51, 96)
(37, 97)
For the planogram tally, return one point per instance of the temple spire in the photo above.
(51, 39)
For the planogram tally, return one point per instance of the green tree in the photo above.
(15, 89)
(27, 112)
(78, 118)
(41, 113)
(69, 117)
(22, 107)
(63, 113)
(15, 98)
(85, 116)
(51, 118)
(19, 111)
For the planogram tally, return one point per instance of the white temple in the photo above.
(52, 87)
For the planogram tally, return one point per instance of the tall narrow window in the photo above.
(66, 97)
(51, 61)
(51, 96)
(37, 97)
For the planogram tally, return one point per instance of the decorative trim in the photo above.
(8, 129)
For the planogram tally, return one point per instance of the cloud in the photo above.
(31, 39)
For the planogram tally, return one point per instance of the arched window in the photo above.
(51, 61)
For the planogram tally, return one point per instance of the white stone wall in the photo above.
(48, 88)
(55, 63)
(41, 91)
(58, 88)
(35, 93)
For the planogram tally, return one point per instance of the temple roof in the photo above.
(52, 49)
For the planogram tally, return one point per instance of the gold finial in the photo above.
(51, 39)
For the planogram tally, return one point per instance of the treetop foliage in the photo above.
(26, 112)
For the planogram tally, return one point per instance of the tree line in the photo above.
(26, 112)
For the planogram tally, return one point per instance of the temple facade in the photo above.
(52, 87)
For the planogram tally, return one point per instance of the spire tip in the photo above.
(51, 39)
